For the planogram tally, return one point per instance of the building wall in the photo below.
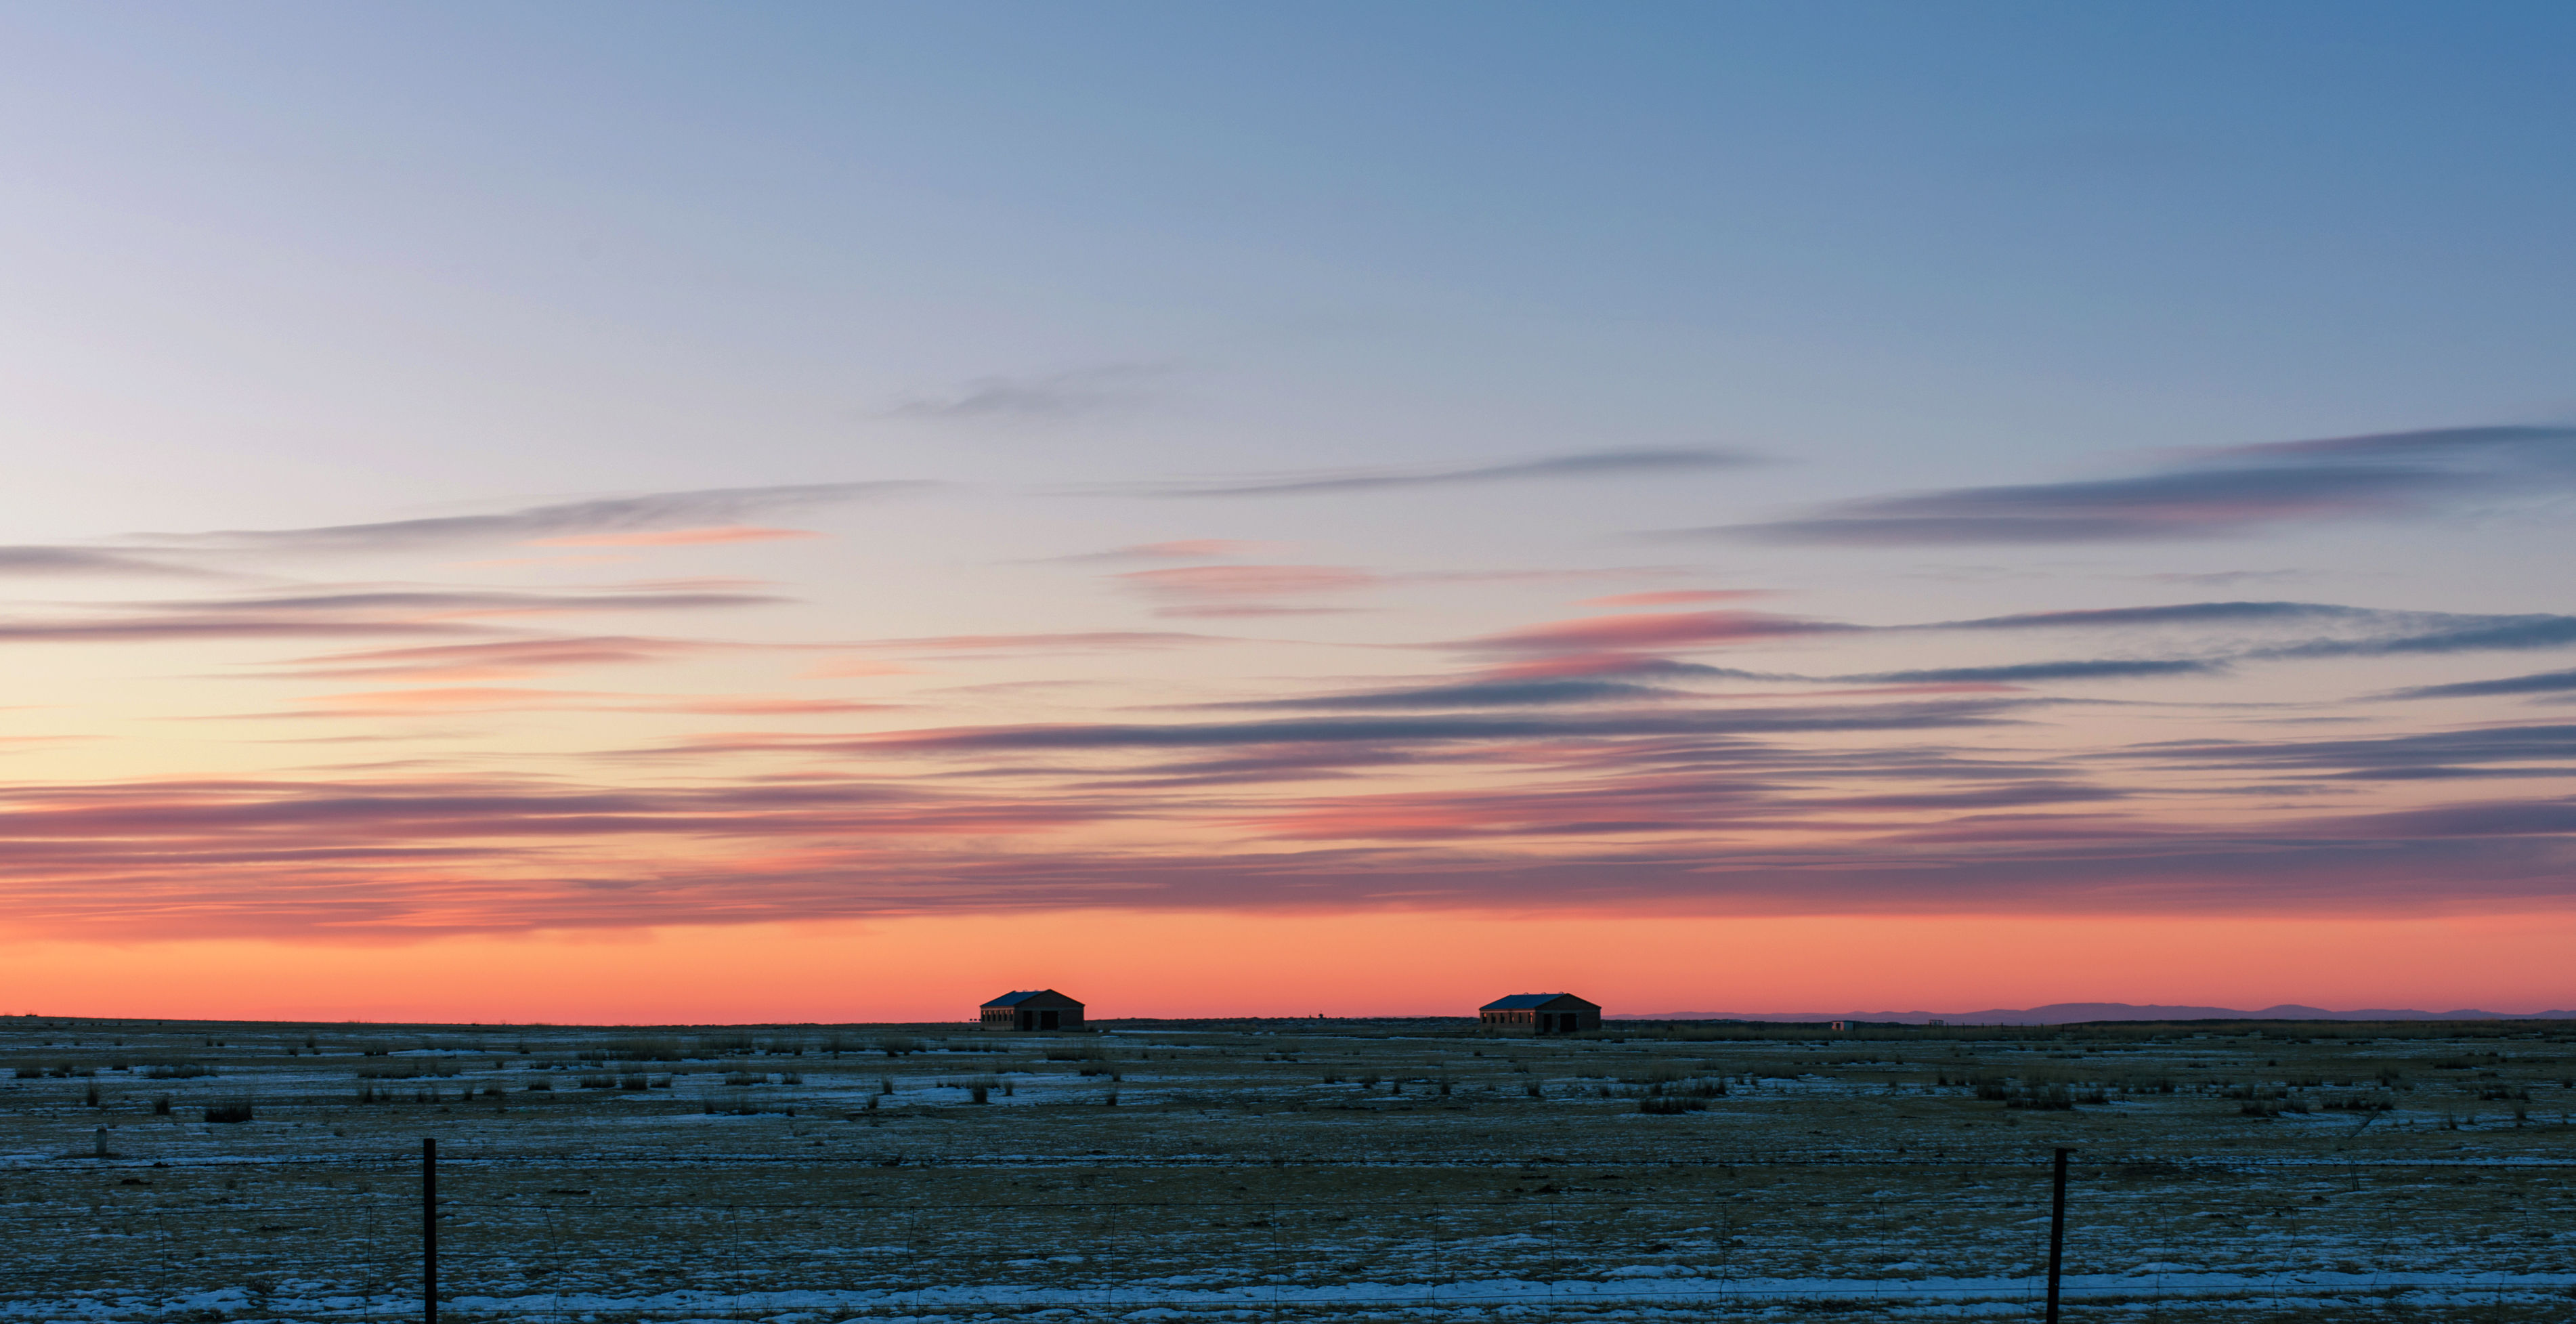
(1530, 1022)
(1029, 1018)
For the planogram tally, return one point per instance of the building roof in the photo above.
(1540, 1002)
(1044, 997)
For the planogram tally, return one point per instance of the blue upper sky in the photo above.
(1938, 240)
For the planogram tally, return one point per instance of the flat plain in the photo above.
(1276, 1170)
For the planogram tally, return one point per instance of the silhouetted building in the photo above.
(1040, 1009)
(1541, 1013)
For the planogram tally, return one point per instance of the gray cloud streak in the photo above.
(1046, 396)
(2470, 634)
(2223, 492)
(346, 614)
(35, 560)
(2008, 673)
(2181, 613)
(1598, 464)
(2546, 682)
(1884, 717)
(1475, 694)
(2476, 751)
(2375, 632)
(655, 511)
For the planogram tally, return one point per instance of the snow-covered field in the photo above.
(1353, 1170)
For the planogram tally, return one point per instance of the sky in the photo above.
(820, 512)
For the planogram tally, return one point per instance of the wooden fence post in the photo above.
(2056, 1233)
(429, 1230)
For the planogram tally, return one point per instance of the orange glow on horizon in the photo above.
(1388, 963)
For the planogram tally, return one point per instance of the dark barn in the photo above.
(1541, 1013)
(1040, 1009)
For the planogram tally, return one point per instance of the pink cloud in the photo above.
(1568, 665)
(1244, 590)
(856, 668)
(1236, 583)
(1090, 641)
(1864, 691)
(446, 698)
(1180, 549)
(508, 659)
(1650, 630)
(507, 699)
(754, 705)
(1676, 597)
(1654, 828)
(1219, 610)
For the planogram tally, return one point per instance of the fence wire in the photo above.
(795, 1237)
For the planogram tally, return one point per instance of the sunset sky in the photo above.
(644, 512)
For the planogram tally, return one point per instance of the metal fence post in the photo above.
(429, 1231)
(2056, 1233)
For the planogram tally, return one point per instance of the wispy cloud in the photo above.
(2221, 578)
(1336, 730)
(357, 612)
(448, 700)
(1175, 549)
(2355, 631)
(2472, 451)
(2546, 682)
(1664, 807)
(2215, 493)
(1542, 762)
(37, 560)
(1244, 590)
(2478, 751)
(2022, 672)
(1596, 464)
(1590, 663)
(1041, 396)
(1476, 694)
(656, 512)
(2182, 639)
(1651, 630)
(460, 603)
(2179, 613)
(506, 659)
(1721, 827)
(2153, 507)
(1675, 597)
(2446, 634)
(1083, 641)
(417, 857)
(175, 627)
(710, 534)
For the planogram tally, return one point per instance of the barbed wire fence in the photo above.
(582, 1236)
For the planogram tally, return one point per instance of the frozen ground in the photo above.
(1350, 1170)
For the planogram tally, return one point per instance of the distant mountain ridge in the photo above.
(2067, 1013)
